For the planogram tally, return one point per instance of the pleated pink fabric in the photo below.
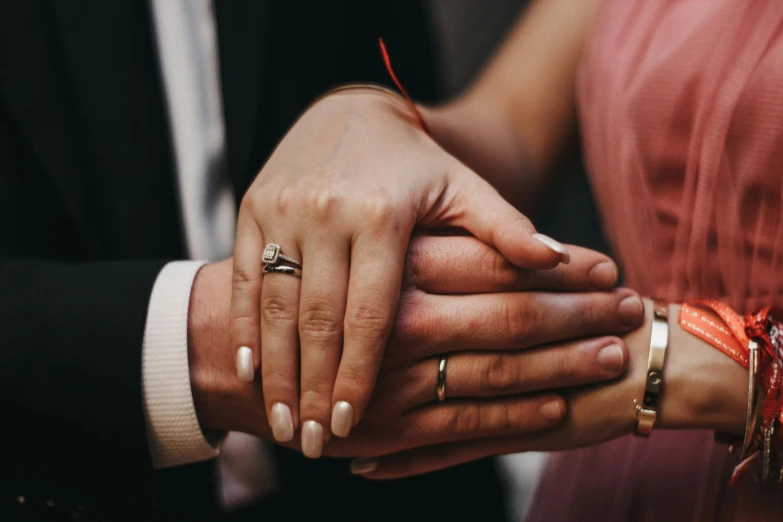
(681, 113)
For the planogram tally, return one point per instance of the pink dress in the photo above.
(681, 109)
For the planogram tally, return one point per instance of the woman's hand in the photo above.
(703, 389)
(342, 193)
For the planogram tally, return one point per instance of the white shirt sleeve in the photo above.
(173, 431)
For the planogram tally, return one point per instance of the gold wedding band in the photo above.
(441, 388)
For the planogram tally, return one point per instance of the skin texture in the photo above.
(509, 346)
(343, 192)
(691, 400)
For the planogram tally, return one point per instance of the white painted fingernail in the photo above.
(312, 439)
(282, 422)
(342, 419)
(245, 370)
(555, 246)
(363, 466)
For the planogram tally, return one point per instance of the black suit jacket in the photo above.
(88, 216)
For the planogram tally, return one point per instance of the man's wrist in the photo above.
(222, 401)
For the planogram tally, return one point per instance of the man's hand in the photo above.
(510, 333)
(704, 389)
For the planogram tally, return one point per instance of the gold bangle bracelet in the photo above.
(647, 411)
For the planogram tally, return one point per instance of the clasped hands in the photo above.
(375, 310)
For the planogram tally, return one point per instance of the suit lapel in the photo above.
(35, 92)
(85, 91)
(110, 54)
(275, 58)
(241, 40)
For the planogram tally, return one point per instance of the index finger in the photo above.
(435, 324)
(465, 265)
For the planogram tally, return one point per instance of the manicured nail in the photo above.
(282, 422)
(312, 439)
(551, 410)
(362, 466)
(554, 246)
(245, 370)
(611, 358)
(342, 419)
(603, 275)
(631, 310)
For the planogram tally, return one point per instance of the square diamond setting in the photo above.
(271, 253)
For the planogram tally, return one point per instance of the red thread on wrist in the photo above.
(390, 70)
(723, 328)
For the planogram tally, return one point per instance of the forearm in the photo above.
(515, 123)
(483, 136)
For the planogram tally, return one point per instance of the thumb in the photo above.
(482, 211)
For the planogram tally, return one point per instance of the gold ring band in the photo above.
(441, 388)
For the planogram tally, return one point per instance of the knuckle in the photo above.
(564, 365)
(520, 220)
(277, 380)
(285, 202)
(518, 418)
(377, 209)
(324, 201)
(354, 382)
(522, 321)
(562, 276)
(497, 267)
(413, 322)
(367, 317)
(278, 310)
(415, 267)
(589, 314)
(246, 206)
(466, 419)
(501, 374)
(315, 399)
(250, 203)
(320, 320)
(242, 280)
(355, 378)
(500, 418)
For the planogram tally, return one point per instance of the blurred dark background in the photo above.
(468, 33)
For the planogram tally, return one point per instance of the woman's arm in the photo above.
(515, 121)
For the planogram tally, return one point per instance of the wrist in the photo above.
(366, 99)
(221, 400)
(702, 387)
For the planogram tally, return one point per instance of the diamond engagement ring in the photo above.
(273, 256)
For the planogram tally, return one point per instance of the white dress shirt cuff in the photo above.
(173, 431)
